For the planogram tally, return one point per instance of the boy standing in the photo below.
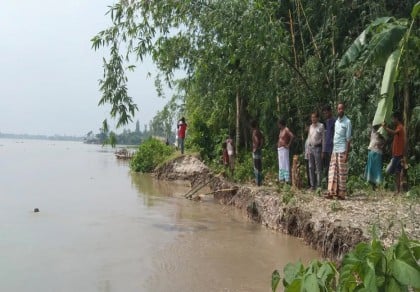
(398, 147)
(231, 153)
(182, 128)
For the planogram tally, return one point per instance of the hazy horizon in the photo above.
(49, 77)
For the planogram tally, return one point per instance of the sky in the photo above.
(49, 73)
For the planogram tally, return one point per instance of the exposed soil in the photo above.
(331, 227)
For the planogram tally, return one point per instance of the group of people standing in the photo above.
(327, 149)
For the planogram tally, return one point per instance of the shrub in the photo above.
(149, 155)
(369, 267)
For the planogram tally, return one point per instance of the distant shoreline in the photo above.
(41, 137)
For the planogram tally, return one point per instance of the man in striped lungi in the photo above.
(338, 170)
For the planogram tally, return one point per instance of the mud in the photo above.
(329, 226)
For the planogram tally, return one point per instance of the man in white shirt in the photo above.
(316, 145)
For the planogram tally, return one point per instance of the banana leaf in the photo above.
(384, 109)
(355, 50)
(384, 43)
(415, 10)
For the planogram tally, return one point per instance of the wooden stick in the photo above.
(220, 191)
(189, 195)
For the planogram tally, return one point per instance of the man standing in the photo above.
(257, 144)
(283, 145)
(230, 147)
(329, 136)
(338, 171)
(182, 128)
(315, 149)
(398, 146)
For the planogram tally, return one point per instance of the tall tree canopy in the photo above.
(251, 59)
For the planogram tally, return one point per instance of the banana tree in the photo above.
(382, 43)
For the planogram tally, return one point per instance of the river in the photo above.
(103, 228)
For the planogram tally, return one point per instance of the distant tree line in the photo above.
(41, 137)
(159, 127)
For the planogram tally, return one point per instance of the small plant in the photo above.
(356, 183)
(287, 194)
(414, 192)
(243, 168)
(336, 206)
(318, 276)
(369, 267)
(149, 155)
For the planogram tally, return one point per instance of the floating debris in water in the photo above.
(36, 210)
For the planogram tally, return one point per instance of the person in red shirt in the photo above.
(398, 148)
(182, 128)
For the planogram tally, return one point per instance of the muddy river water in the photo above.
(102, 228)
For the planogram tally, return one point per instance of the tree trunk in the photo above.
(238, 119)
(406, 114)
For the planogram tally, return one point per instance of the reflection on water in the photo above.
(151, 190)
(102, 228)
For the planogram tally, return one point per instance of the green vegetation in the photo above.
(150, 154)
(369, 267)
(265, 59)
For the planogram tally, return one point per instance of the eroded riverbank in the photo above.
(331, 227)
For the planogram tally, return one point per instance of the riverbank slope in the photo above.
(329, 226)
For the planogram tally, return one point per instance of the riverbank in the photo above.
(329, 226)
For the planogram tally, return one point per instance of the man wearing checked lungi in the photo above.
(338, 171)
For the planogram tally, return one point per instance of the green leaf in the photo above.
(415, 247)
(291, 271)
(325, 272)
(390, 73)
(406, 273)
(380, 21)
(393, 286)
(310, 283)
(355, 50)
(384, 109)
(369, 277)
(295, 286)
(384, 43)
(415, 11)
(275, 280)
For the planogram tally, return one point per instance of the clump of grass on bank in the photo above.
(150, 154)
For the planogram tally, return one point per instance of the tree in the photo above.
(137, 126)
(383, 42)
(252, 59)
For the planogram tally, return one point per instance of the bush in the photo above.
(369, 267)
(244, 168)
(149, 155)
